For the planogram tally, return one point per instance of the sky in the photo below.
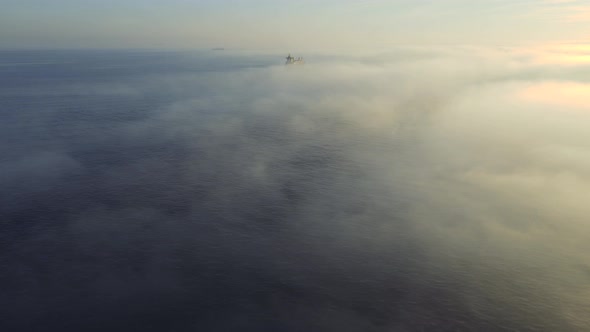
(296, 25)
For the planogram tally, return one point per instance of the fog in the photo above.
(418, 190)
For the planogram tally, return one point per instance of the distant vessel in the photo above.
(294, 61)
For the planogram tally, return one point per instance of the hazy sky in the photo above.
(279, 24)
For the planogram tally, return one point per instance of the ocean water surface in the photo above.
(223, 191)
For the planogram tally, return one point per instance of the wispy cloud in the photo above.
(561, 95)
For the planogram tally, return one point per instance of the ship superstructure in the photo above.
(294, 61)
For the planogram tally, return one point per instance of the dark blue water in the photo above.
(163, 191)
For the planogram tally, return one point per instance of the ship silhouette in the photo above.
(294, 61)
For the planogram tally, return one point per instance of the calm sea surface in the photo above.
(193, 191)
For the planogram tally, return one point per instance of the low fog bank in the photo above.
(427, 189)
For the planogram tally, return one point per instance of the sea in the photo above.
(213, 190)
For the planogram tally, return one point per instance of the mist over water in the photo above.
(419, 190)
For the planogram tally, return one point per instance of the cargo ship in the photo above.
(294, 61)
